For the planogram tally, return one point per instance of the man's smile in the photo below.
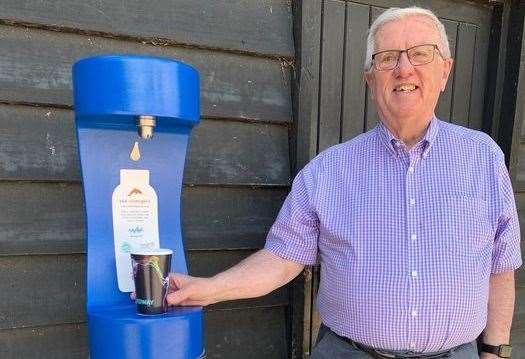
(405, 88)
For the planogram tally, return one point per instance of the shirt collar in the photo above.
(392, 142)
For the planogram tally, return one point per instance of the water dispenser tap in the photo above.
(145, 126)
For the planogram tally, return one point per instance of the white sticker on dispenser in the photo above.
(135, 222)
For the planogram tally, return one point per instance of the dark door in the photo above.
(332, 102)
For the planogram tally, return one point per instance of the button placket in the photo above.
(412, 245)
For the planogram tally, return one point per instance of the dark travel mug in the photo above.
(150, 272)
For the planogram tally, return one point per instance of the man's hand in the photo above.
(188, 290)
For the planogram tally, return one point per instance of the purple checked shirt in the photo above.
(406, 240)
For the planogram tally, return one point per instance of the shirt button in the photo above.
(412, 201)
(414, 274)
(414, 313)
(413, 237)
(411, 169)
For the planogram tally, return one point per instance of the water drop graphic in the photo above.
(135, 152)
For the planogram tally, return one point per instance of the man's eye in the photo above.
(420, 54)
(386, 58)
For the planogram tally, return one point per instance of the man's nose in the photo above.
(404, 67)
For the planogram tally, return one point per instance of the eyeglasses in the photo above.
(417, 55)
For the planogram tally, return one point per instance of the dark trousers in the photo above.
(331, 346)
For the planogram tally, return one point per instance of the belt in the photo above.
(381, 354)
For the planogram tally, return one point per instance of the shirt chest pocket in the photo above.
(459, 225)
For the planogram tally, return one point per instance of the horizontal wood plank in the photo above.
(42, 290)
(209, 263)
(48, 218)
(41, 218)
(35, 67)
(40, 144)
(65, 341)
(210, 221)
(256, 26)
(255, 333)
(50, 290)
(224, 152)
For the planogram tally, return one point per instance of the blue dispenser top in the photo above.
(130, 85)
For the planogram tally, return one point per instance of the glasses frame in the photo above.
(436, 48)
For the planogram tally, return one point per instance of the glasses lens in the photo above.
(420, 55)
(386, 60)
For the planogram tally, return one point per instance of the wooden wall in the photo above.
(237, 172)
(512, 132)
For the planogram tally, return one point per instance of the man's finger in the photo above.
(176, 297)
(132, 296)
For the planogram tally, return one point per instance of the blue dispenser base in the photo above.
(119, 332)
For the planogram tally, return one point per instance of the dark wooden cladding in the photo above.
(65, 341)
(50, 289)
(215, 218)
(308, 42)
(371, 116)
(237, 172)
(479, 77)
(42, 290)
(208, 263)
(465, 11)
(48, 218)
(354, 85)
(37, 144)
(466, 42)
(444, 105)
(254, 26)
(39, 218)
(258, 333)
(463, 99)
(235, 152)
(35, 67)
(331, 73)
(518, 169)
(40, 144)
(517, 158)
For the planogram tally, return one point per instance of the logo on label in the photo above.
(134, 191)
(136, 230)
(146, 302)
(125, 247)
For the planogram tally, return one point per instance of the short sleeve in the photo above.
(506, 254)
(295, 232)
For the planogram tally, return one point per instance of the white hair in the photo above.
(396, 13)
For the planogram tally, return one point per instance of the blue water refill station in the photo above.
(134, 116)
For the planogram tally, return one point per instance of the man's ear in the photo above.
(447, 68)
(369, 79)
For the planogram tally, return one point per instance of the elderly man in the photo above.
(413, 223)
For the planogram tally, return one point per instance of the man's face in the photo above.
(408, 91)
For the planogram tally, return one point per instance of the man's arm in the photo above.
(500, 310)
(257, 275)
